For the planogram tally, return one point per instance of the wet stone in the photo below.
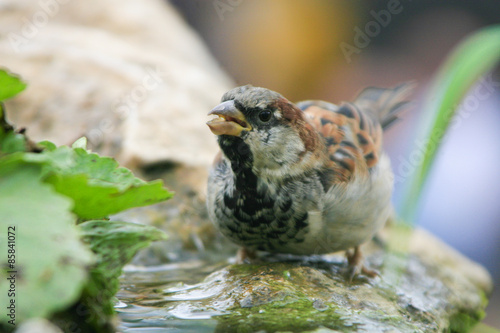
(415, 292)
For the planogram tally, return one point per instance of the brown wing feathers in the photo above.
(338, 131)
(353, 131)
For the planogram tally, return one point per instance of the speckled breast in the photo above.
(267, 218)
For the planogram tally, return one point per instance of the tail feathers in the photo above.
(385, 104)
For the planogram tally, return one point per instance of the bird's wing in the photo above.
(353, 131)
(348, 136)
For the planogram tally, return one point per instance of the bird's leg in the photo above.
(356, 266)
(245, 254)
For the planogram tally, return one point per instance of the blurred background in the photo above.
(330, 50)
(124, 74)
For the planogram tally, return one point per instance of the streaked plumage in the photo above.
(311, 179)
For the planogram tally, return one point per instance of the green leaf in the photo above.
(97, 185)
(10, 85)
(50, 260)
(47, 145)
(115, 243)
(474, 57)
(12, 142)
(80, 143)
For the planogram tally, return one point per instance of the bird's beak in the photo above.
(230, 120)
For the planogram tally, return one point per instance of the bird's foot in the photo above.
(245, 255)
(356, 266)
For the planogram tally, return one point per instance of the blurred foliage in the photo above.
(68, 272)
(97, 185)
(39, 219)
(474, 57)
(115, 244)
(10, 85)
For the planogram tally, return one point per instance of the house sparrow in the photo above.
(305, 178)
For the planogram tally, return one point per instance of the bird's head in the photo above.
(261, 127)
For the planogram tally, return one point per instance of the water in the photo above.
(150, 298)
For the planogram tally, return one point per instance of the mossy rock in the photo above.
(428, 288)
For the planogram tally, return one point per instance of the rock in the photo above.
(129, 75)
(434, 289)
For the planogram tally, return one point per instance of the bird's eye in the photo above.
(265, 116)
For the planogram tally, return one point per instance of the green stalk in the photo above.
(474, 57)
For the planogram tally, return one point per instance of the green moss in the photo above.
(298, 316)
(464, 322)
(275, 303)
(484, 298)
(244, 269)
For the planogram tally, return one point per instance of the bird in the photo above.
(309, 178)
